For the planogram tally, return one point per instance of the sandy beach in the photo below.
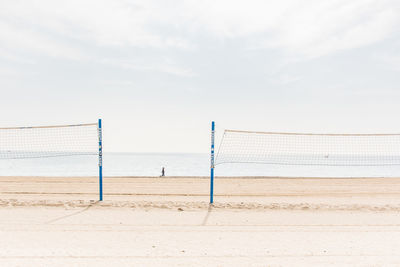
(145, 221)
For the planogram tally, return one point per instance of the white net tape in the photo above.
(309, 149)
(48, 141)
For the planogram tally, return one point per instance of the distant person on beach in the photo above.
(162, 172)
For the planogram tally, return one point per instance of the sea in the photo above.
(175, 164)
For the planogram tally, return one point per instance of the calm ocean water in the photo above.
(176, 164)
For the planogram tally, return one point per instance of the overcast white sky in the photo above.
(157, 72)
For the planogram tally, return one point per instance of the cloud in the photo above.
(25, 40)
(283, 78)
(330, 27)
(301, 29)
(389, 58)
(7, 72)
(164, 65)
(102, 22)
(7, 55)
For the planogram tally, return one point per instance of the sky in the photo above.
(158, 72)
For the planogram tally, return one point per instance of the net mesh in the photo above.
(309, 149)
(48, 141)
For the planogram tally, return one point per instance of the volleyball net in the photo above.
(304, 151)
(309, 149)
(17, 143)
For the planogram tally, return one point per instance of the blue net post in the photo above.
(212, 163)
(100, 162)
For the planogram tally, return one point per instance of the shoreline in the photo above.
(314, 193)
(203, 177)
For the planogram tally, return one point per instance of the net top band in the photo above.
(314, 134)
(50, 126)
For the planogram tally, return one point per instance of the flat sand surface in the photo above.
(48, 221)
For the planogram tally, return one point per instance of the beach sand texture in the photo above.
(144, 221)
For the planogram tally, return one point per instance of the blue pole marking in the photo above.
(212, 163)
(100, 162)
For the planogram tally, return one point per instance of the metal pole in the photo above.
(100, 162)
(212, 163)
